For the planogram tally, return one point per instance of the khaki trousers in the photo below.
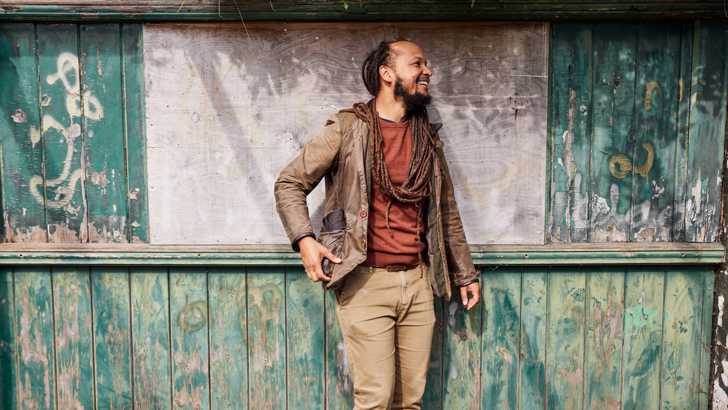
(387, 320)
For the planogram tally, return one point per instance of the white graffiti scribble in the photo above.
(67, 63)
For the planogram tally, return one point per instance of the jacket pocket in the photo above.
(333, 241)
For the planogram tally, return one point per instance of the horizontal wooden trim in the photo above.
(262, 255)
(353, 10)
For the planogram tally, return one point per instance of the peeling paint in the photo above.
(19, 116)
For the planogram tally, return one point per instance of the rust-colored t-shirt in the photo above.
(401, 242)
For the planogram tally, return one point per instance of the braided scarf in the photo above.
(417, 185)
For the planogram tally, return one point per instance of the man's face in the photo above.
(412, 75)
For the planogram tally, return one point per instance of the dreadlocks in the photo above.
(370, 68)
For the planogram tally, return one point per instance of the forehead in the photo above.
(407, 49)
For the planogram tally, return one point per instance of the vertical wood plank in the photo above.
(61, 109)
(112, 330)
(132, 52)
(570, 131)
(653, 159)
(432, 398)
(8, 349)
(565, 347)
(21, 156)
(74, 345)
(267, 336)
(34, 324)
(305, 324)
(462, 354)
(190, 358)
(102, 132)
(534, 305)
(643, 307)
(613, 142)
(681, 338)
(500, 342)
(706, 337)
(151, 338)
(604, 337)
(339, 388)
(707, 132)
(228, 339)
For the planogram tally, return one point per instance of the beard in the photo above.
(413, 103)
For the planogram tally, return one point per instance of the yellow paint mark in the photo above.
(645, 168)
(681, 89)
(650, 87)
(620, 165)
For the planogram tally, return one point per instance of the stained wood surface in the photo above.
(638, 111)
(227, 110)
(616, 338)
(71, 109)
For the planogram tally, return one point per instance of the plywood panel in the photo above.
(226, 111)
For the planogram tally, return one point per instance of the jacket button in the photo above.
(363, 214)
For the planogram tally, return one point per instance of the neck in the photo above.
(390, 107)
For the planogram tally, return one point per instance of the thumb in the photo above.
(330, 256)
(464, 295)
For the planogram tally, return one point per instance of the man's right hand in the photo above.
(312, 253)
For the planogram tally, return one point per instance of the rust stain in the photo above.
(99, 178)
(62, 233)
(111, 229)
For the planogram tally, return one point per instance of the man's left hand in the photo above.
(474, 290)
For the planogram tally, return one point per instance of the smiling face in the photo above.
(409, 75)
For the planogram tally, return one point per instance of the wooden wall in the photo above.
(637, 124)
(73, 149)
(266, 338)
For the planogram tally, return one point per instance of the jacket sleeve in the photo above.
(459, 261)
(301, 176)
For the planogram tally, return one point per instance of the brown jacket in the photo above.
(342, 155)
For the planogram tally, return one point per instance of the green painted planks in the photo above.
(112, 337)
(500, 341)
(73, 340)
(132, 61)
(267, 338)
(339, 388)
(570, 90)
(188, 313)
(706, 131)
(432, 398)
(61, 111)
(653, 158)
(706, 337)
(643, 307)
(604, 337)
(8, 350)
(534, 313)
(681, 345)
(21, 156)
(151, 371)
(228, 339)
(102, 132)
(565, 335)
(305, 327)
(462, 355)
(34, 324)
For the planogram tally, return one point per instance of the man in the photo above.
(391, 227)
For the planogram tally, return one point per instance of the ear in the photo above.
(385, 73)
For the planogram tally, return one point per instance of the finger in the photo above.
(464, 295)
(330, 256)
(310, 274)
(474, 300)
(320, 275)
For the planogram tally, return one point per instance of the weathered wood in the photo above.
(706, 131)
(267, 338)
(462, 355)
(604, 338)
(212, 79)
(500, 341)
(228, 339)
(102, 132)
(61, 108)
(706, 337)
(285, 10)
(681, 340)
(20, 146)
(151, 351)
(305, 327)
(8, 345)
(339, 387)
(534, 314)
(112, 337)
(433, 397)
(643, 313)
(73, 340)
(37, 376)
(190, 330)
(570, 132)
(565, 346)
(132, 63)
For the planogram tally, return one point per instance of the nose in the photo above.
(427, 71)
